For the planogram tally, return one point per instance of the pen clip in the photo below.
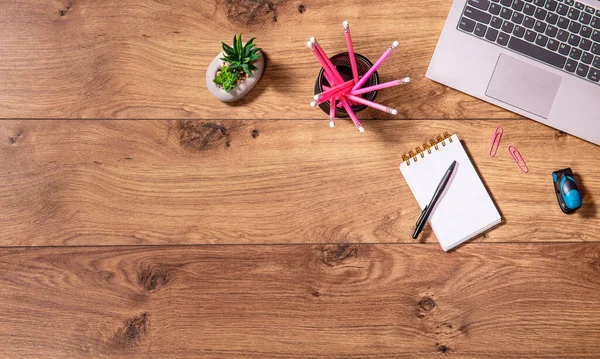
(518, 158)
(496, 141)
(421, 215)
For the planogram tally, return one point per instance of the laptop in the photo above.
(538, 58)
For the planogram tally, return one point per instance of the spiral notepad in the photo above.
(465, 209)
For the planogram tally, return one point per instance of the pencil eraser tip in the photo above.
(312, 40)
(345, 24)
(331, 123)
(361, 129)
(395, 44)
(317, 97)
(394, 112)
(406, 80)
(310, 45)
(313, 104)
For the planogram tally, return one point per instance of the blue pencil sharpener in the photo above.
(567, 191)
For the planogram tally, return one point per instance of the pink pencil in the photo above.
(351, 51)
(319, 58)
(372, 104)
(381, 86)
(337, 78)
(328, 94)
(332, 112)
(367, 76)
(352, 115)
(332, 68)
(329, 79)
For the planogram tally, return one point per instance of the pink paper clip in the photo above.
(496, 141)
(516, 155)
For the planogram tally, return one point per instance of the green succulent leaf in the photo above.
(227, 79)
(228, 50)
(239, 45)
(240, 56)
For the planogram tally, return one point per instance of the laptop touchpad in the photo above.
(525, 86)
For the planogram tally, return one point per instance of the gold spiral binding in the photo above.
(433, 144)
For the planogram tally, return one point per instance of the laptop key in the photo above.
(595, 23)
(506, 13)
(552, 18)
(564, 49)
(491, 34)
(529, 9)
(585, 18)
(553, 44)
(536, 52)
(562, 9)
(596, 48)
(539, 26)
(506, 2)
(541, 40)
(539, 3)
(571, 65)
(582, 70)
(563, 22)
(480, 4)
(508, 27)
(589, 9)
(530, 36)
(596, 36)
(574, 27)
(517, 17)
(519, 31)
(466, 24)
(579, 5)
(496, 22)
(585, 44)
(569, 2)
(574, 40)
(562, 35)
(528, 22)
(477, 15)
(503, 39)
(585, 31)
(551, 5)
(495, 9)
(587, 58)
(594, 75)
(518, 5)
(480, 30)
(575, 53)
(551, 31)
(540, 14)
(573, 14)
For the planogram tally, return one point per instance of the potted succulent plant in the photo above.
(236, 70)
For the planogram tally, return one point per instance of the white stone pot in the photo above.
(242, 88)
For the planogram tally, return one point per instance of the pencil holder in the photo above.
(342, 63)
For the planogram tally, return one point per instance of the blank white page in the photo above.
(465, 209)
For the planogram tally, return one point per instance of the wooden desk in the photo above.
(189, 228)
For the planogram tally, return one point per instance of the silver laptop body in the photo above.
(506, 66)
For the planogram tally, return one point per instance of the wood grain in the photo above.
(303, 301)
(251, 182)
(147, 59)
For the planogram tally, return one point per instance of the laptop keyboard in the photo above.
(564, 34)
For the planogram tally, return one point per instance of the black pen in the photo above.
(438, 192)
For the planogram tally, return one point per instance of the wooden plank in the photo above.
(303, 301)
(186, 182)
(140, 59)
